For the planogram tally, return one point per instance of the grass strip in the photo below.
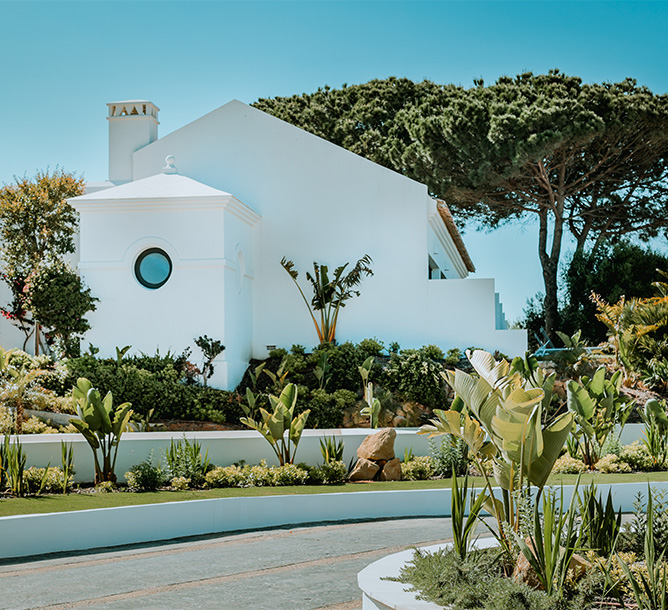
(83, 501)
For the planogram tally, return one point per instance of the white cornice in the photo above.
(144, 204)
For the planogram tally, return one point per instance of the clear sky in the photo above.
(61, 62)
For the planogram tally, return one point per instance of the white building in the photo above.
(187, 235)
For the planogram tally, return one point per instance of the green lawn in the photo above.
(70, 502)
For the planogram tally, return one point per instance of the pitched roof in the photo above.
(450, 225)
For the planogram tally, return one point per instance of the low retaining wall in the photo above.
(26, 535)
(224, 447)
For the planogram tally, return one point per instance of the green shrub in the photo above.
(258, 476)
(225, 476)
(343, 361)
(417, 377)
(145, 476)
(611, 463)
(433, 352)
(420, 468)
(184, 460)
(180, 483)
(331, 473)
(53, 482)
(289, 474)
(32, 425)
(370, 347)
(638, 457)
(568, 465)
(327, 409)
(447, 453)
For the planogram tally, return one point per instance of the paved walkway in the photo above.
(303, 568)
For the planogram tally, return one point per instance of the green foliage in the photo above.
(508, 409)
(656, 432)
(156, 382)
(59, 301)
(331, 449)
(145, 476)
(599, 525)
(102, 424)
(611, 271)
(371, 347)
(416, 376)
(634, 534)
(12, 467)
(477, 582)
(649, 592)
(447, 454)
(329, 295)
(50, 480)
(329, 473)
(281, 428)
(598, 407)
(639, 458)
(420, 468)
(554, 539)
(210, 349)
(67, 464)
(184, 459)
(463, 525)
(260, 475)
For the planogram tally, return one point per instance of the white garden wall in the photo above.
(224, 448)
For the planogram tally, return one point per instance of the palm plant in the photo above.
(329, 295)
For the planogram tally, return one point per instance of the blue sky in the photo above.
(61, 62)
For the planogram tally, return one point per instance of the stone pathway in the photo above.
(301, 568)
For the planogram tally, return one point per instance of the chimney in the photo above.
(132, 125)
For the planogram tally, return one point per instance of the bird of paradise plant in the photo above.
(329, 295)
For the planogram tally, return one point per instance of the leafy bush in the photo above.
(327, 409)
(184, 460)
(447, 453)
(420, 468)
(633, 534)
(145, 476)
(569, 465)
(638, 457)
(370, 347)
(417, 377)
(258, 476)
(611, 463)
(180, 483)
(224, 476)
(32, 425)
(50, 481)
(343, 361)
(289, 474)
(330, 473)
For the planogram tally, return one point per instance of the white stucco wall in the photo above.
(321, 202)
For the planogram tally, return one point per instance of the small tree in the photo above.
(37, 226)
(211, 348)
(59, 300)
(329, 296)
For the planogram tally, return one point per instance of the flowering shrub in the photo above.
(180, 483)
(330, 473)
(52, 484)
(637, 456)
(144, 476)
(420, 468)
(568, 465)
(611, 463)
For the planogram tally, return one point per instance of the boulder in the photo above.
(378, 446)
(364, 470)
(391, 471)
(523, 571)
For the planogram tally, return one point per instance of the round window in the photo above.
(153, 268)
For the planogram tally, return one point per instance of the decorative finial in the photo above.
(170, 168)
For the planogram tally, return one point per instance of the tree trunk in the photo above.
(37, 329)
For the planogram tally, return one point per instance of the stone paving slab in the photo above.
(303, 568)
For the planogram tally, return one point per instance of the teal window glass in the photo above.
(153, 268)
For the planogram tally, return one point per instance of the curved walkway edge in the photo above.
(27, 535)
